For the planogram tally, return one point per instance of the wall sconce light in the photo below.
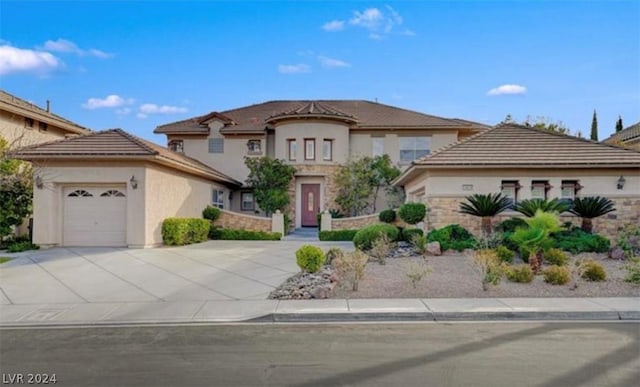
(134, 182)
(621, 182)
(39, 182)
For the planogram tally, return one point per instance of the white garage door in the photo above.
(95, 216)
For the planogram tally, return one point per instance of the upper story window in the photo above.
(327, 150)
(43, 126)
(569, 189)
(254, 147)
(378, 146)
(309, 149)
(510, 188)
(176, 145)
(292, 148)
(412, 148)
(539, 189)
(217, 198)
(28, 122)
(216, 145)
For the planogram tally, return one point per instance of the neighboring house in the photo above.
(111, 188)
(23, 123)
(524, 163)
(628, 137)
(314, 136)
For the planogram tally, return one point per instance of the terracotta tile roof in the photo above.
(367, 115)
(118, 145)
(510, 145)
(631, 133)
(313, 109)
(11, 103)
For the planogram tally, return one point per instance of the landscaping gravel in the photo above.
(453, 276)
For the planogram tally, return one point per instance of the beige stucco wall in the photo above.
(48, 201)
(171, 193)
(361, 142)
(13, 130)
(299, 130)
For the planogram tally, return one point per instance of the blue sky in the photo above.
(136, 65)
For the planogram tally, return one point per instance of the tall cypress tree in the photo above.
(594, 127)
(619, 124)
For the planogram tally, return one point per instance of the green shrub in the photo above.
(247, 235)
(633, 270)
(557, 275)
(363, 240)
(408, 234)
(331, 254)
(629, 240)
(387, 216)
(505, 254)
(337, 235)
(287, 223)
(556, 257)
(211, 213)
(412, 213)
(18, 247)
(577, 241)
(511, 224)
(310, 258)
(452, 237)
(520, 273)
(215, 232)
(183, 231)
(488, 241)
(593, 271)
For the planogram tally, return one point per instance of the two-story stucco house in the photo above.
(314, 136)
(23, 123)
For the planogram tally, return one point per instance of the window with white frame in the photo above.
(254, 147)
(377, 145)
(176, 145)
(247, 201)
(569, 189)
(309, 149)
(539, 189)
(327, 150)
(216, 145)
(412, 148)
(293, 148)
(217, 198)
(509, 189)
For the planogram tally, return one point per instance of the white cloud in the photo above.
(110, 101)
(124, 111)
(334, 25)
(331, 63)
(507, 89)
(14, 59)
(67, 46)
(370, 18)
(294, 69)
(152, 108)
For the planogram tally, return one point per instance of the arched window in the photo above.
(80, 193)
(112, 193)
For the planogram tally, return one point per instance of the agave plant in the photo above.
(528, 207)
(535, 238)
(485, 207)
(589, 208)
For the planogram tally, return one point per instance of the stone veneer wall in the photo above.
(361, 221)
(239, 221)
(444, 211)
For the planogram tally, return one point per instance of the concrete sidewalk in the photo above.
(229, 281)
(497, 309)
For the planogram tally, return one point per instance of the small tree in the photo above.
(269, 178)
(16, 190)
(536, 237)
(589, 208)
(594, 127)
(546, 124)
(384, 172)
(485, 207)
(619, 125)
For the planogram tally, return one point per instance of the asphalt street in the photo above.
(373, 354)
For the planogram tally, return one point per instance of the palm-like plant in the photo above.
(529, 207)
(485, 207)
(536, 237)
(591, 207)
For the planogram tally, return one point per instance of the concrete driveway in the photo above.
(98, 280)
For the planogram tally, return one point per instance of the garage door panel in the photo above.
(94, 216)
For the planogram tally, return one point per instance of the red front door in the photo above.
(310, 204)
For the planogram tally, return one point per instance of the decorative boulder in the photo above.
(433, 248)
(616, 253)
